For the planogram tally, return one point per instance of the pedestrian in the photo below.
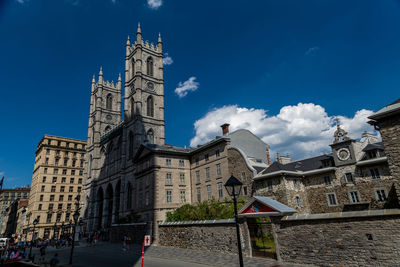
(42, 253)
(54, 261)
(96, 238)
(128, 243)
(124, 243)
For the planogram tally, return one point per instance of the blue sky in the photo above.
(283, 69)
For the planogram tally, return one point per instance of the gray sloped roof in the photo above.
(169, 148)
(275, 204)
(374, 146)
(308, 164)
(389, 110)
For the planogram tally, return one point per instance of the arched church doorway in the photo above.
(100, 201)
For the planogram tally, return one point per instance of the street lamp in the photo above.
(76, 217)
(234, 186)
(35, 221)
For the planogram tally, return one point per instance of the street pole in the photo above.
(33, 234)
(73, 245)
(238, 232)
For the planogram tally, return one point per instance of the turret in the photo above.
(159, 43)
(128, 45)
(139, 34)
(119, 82)
(101, 75)
(93, 83)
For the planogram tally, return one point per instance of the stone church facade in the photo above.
(130, 169)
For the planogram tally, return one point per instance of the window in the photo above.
(150, 106)
(327, 180)
(71, 180)
(129, 197)
(54, 180)
(73, 163)
(209, 193)
(62, 188)
(81, 164)
(150, 136)
(56, 162)
(63, 180)
(80, 172)
(67, 215)
(375, 173)
(220, 191)
(80, 181)
(243, 176)
(168, 179)
(296, 184)
(349, 177)
(64, 172)
(206, 157)
(331, 199)
(40, 207)
(197, 176)
(354, 197)
(72, 172)
(79, 189)
(49, 215)
(47, 151)
(44, 179)
(197, 161)
(198, 194)
(217, 153)
(380, 195)
(71, 189)
(372, 154)
(269, 185)
(68, 206)
(58, 151)
(82, 155)
(109, 102)
(181, 163)
(60, 206)
(46, 161)
(245, 190)
(42, 190)
(65, 162)
(182, 178)
(149, 63)
(58, 218)
(66, 153)
(51, 198)
(61, 198)
(168, 162)
(207, 173)
(51, 205)
(218, 170)
(69, 197)
(182, 196)
(169, 196)
(45, 170)
(55, 171)
(41, 198)
(298, 201)
(53, 188)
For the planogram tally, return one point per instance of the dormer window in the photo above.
(375, 173)
(349, 177)
(372, 154)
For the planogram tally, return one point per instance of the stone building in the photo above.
(9, 201)
(57, 180)
(355, 176)
(130, 168)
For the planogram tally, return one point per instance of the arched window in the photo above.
(132, 107)
(150, 106)
(130, 152)
(133, 67)
(149, 66)
(129, 196)
(109, 101)
(150, 136)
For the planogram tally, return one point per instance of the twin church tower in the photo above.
(113, 141)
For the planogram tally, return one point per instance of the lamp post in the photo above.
(35, 221)
(76, 217)
(234, 186)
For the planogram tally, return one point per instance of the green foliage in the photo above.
(206, 210)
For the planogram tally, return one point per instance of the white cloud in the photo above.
(22, 1)
(311, 51)
(114, 1)
(154, 4)
(167, 60)
(187, 86)
(302, 130)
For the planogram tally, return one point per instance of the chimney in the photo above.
(268, 157)
(225, 128)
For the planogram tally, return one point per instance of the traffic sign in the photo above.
(147, 240)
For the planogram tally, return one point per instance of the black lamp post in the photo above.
(76, 217)
(234, 186)
(35, 221)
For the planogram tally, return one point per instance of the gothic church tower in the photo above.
(144, 93)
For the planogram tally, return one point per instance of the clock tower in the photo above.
(342, 148)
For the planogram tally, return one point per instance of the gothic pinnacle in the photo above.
(128, 41)
(93, 80)
(159, 38)
(138, 29)
(119, 77)
(101, 71)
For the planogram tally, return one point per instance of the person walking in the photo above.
(42, 253)
(54, 261)
(128, 242)
(124, 239)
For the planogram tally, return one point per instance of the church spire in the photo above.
(128, 41)
(139, 33)
(101, 75)
(159, 43)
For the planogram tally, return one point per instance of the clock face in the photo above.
(150, 86)
(343, 154)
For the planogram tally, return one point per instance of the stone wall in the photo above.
(390, 132)
(215, 236)
(362, 238)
